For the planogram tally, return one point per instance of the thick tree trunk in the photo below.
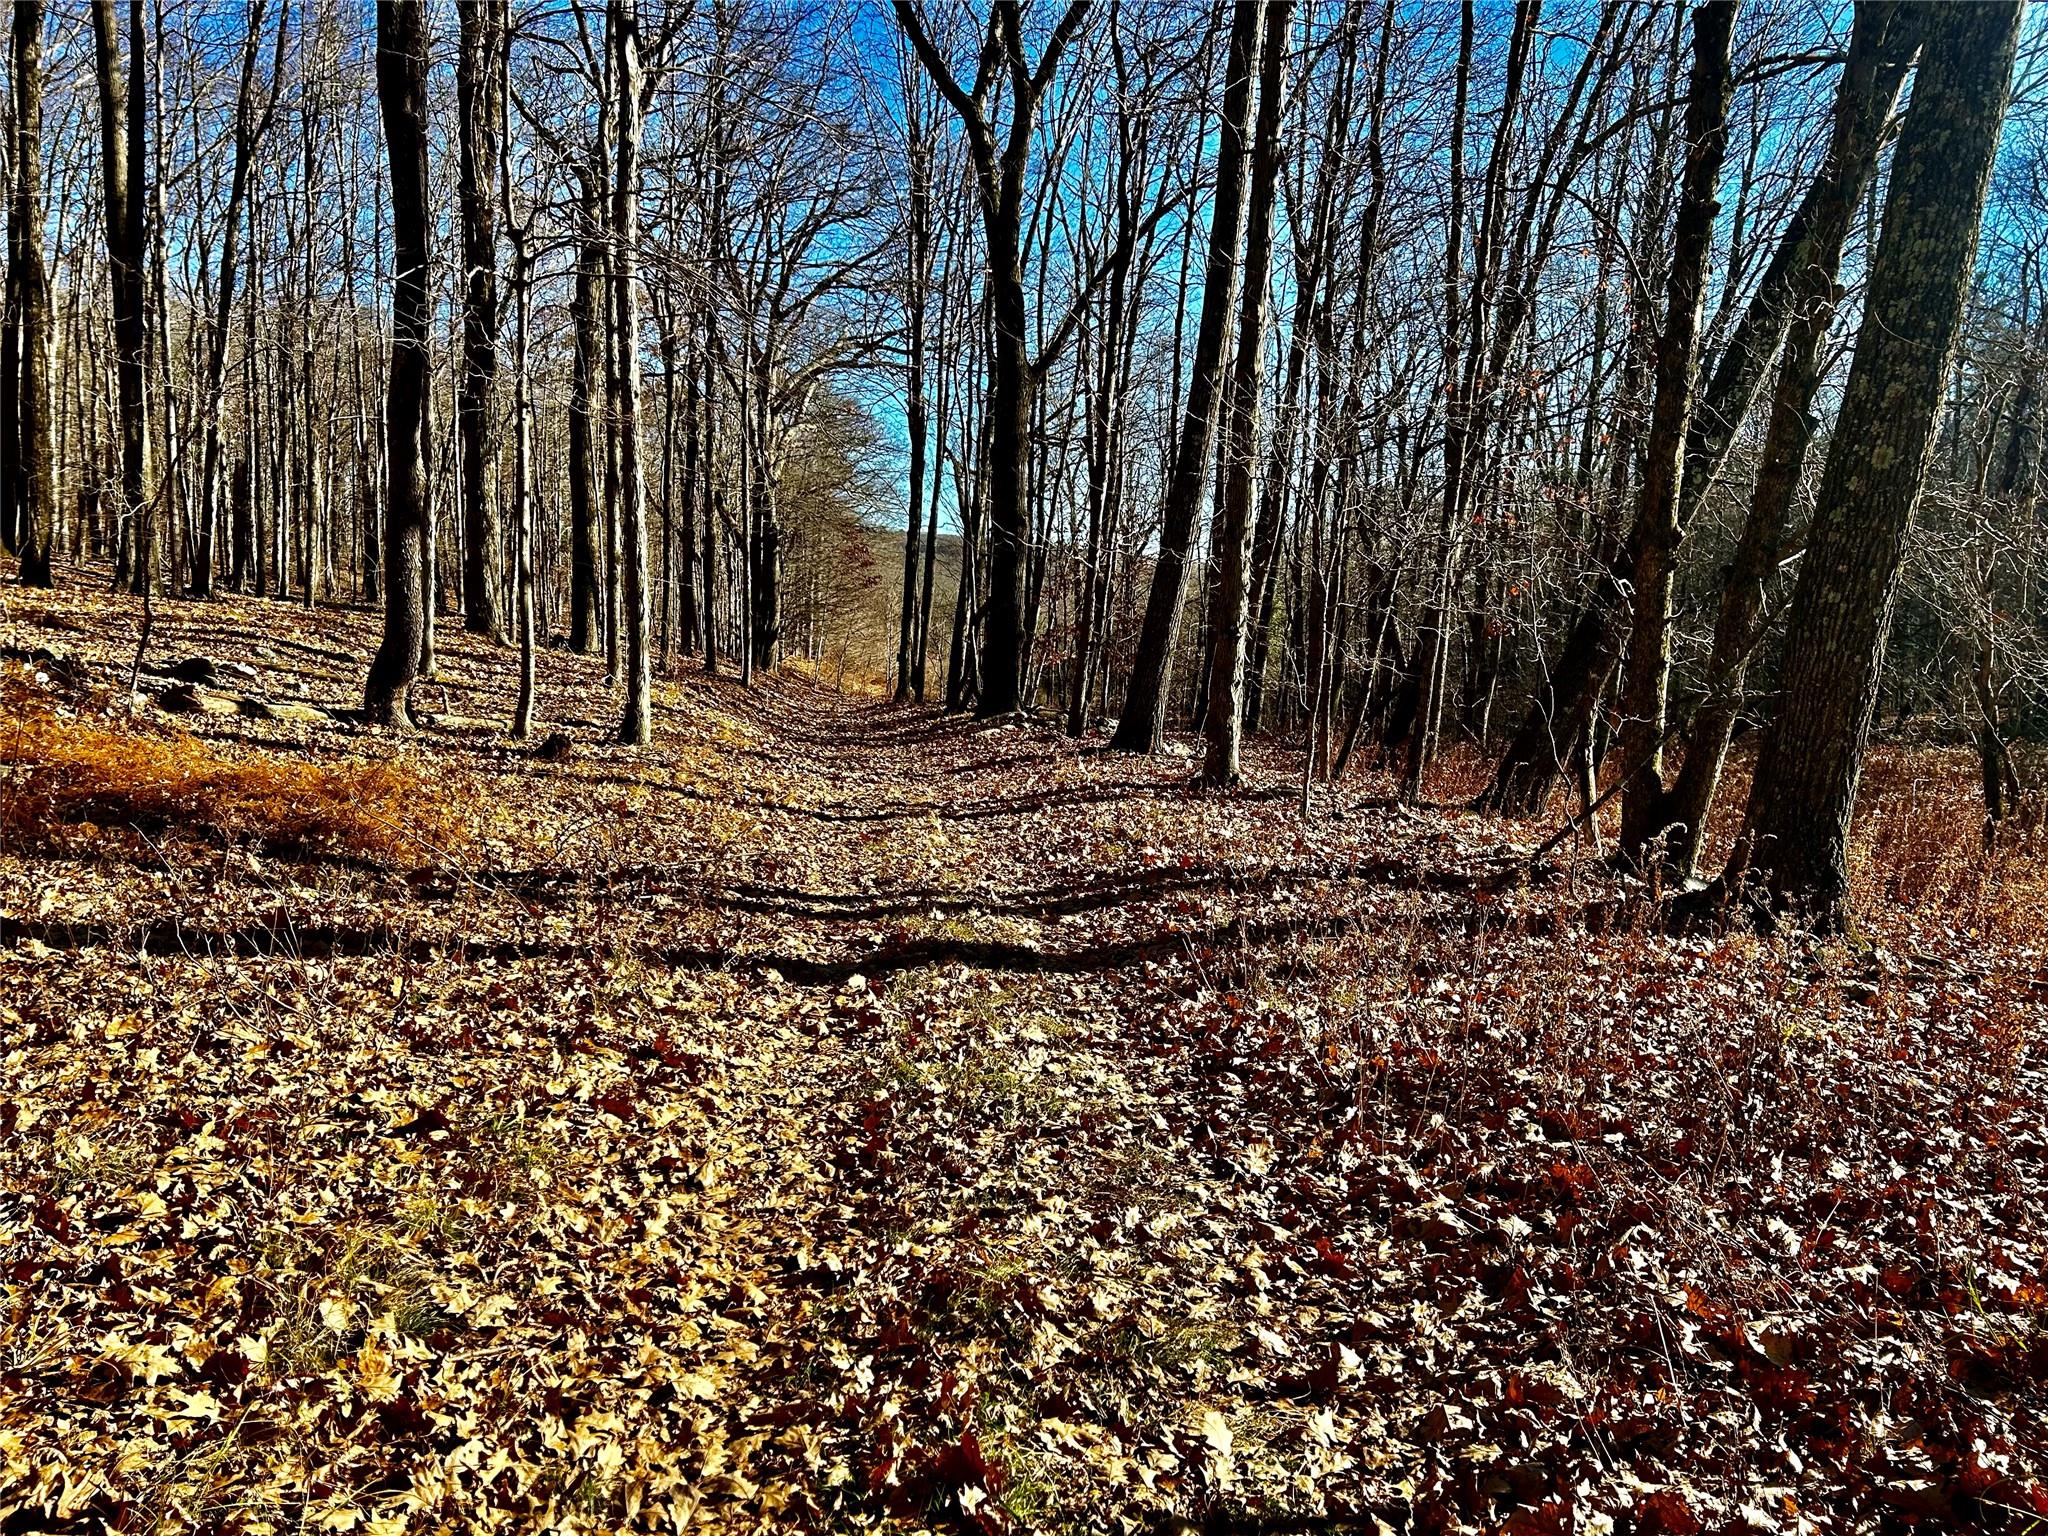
(1231, 545)
(1533, 762)
(1011, 387)
(1143, 720)
(1880, 51)
(1654, 543)
(480, 73)
(1795, 839)
(402, 99)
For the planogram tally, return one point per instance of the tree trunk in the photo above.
(402, 99)
(247, 131)
(480, 74)
(1433, 640)
(32, 491)
(522, 476)
(636, 722)
(1231, 545)
(916, 289)
(1654, 542)
(1795, 838)
(583, 379)
(122, 171)
(1143, 720)
(713, 509)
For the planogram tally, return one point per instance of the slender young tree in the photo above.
(1143, 721)
(1675, 368)
(519, 232)
(585, 383)
(636, 722)
(251, 124)
(917, 279)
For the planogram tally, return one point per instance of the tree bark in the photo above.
(1881, 49)
(480, 79)
(1795, 838)
(402, 100)
(1143, 721)
(916, 290)
(522, 474)
(636, 721)
(32, 490)
(1654, 543)
(1231, 546)
(585, 371)
(122, 169)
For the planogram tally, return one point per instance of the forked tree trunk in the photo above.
(402, 99)
(1795, 838)
(1881, 50)
(1224, 729)
(1013, 375)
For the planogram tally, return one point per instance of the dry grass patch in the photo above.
(68, 780)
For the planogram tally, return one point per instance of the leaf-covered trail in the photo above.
(837, 1117)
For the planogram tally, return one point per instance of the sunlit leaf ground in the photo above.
(841, 1118)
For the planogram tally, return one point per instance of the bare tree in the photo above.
(1241, 445)
(30, 494)
(1000, 170)
(1143, 721)
(481, 62)
(402, 96)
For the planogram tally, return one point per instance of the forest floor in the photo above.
(838, 1117)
